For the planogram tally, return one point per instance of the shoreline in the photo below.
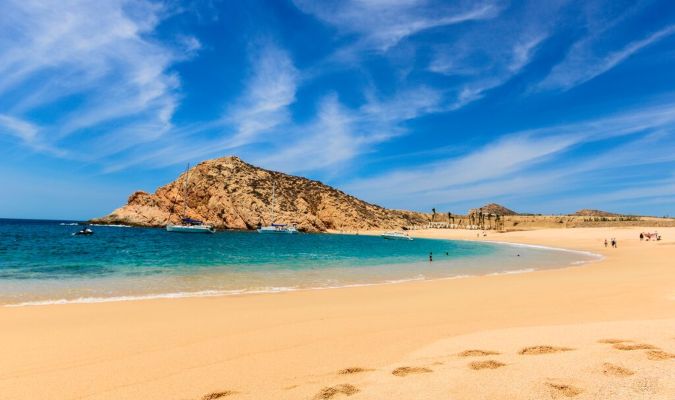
(276, 290)
(292, 345)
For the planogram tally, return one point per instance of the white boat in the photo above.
(276, 228)
(190, 228)
(396, 236)
(189, 225)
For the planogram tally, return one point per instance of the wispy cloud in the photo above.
(25, 131)
(382, 24)
(99, 57)
(28, 134)
(253, 117)
(267, 96)
(482, 58)
(529, 162)
(585, 61)
(339, 134)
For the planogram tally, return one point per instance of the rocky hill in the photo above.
(229, 193)
(586, 212)
(494, 208)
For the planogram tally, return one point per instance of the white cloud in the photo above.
(99, 57)
(254, 117)
(267, 96)
(338, 134)
(480, 59)
(518, 164)
(326, 141)
(585, 62)
(25, 131)
(382, 24)
(28, 134)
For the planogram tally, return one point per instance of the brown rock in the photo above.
(587, 212)
(494, 208)
(229, 193)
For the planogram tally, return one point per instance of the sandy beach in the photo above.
(603, 330)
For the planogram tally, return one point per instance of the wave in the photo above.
(113, 225)
(218, 293)
(69, 223)
(538, 246)
(89, 300)
(512, 272)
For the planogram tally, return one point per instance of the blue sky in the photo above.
(544, 106)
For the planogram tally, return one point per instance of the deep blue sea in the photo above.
(41, 262)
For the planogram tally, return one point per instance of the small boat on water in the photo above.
(276, 228)
(396, 236)
(83, 232)
(189, 225)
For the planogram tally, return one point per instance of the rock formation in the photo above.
(493, 208)
(586, 212)
(229, 193)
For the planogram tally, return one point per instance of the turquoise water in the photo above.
(40, 261)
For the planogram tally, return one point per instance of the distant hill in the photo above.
(586, 212)
(494, 208)
(230, 193)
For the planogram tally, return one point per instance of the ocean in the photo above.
(41, 262)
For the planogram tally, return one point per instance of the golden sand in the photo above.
(290, 345)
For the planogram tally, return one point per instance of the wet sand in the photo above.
(601, 330)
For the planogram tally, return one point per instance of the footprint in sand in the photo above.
(404, 371)
(332, 391)
(634, 346)
(659, 355)
(535, 350)
(613, 341)
(562, 389)
(489, 364)
(615, 370)
(217, 395)
(477, 353)
(353, 370)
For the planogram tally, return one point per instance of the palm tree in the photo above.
(433, 214)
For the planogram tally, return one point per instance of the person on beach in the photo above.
(642, 236)
(605, 242)
(431, 258)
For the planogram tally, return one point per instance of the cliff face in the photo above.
(229, 193)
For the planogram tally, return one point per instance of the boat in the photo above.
(83, 232)
(276, 228)
(189, 225)
(396, 236)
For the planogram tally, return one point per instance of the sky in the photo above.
(543, 106)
